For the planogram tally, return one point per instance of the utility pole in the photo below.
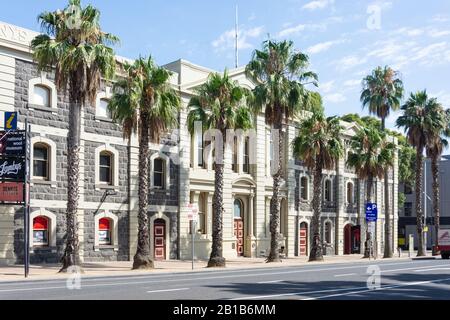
(424, 233)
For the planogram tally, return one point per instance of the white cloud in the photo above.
(443, 97)
(291, 30)
(323, 46)
(441, 18)
(317, 4)
(335, 98)
(326, 87)
(352, 83)
(349, 62)
(227, 39)
(434, 33)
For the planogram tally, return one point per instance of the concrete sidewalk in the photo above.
(104, 269)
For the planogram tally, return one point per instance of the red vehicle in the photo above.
(444, 243)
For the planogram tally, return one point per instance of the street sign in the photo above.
(12, 168)
(12, 192)
(13, 143)
(193, 212)
(371, 212)
(10, 121)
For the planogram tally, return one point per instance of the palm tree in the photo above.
(219, 104)
(145, 102)
(371, 154)
(382, 93)
(77, 49)
(319, 145)
(434, 148)
(280, 75)
(420, 125)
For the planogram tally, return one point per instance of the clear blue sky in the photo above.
(345, 39)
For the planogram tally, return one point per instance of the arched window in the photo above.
(159, 173)
(41, 163)
(41, 96)
(104, 231)
(327, 191)
(304, 188)
(327, 232)
(350, 193)
(102, 109)
(106, 168)
(237, 209)
(40, 231)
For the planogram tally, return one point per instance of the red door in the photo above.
(303, 239)
(348, 239)
(239, 234)
(159, 239)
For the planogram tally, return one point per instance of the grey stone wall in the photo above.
(166, 197)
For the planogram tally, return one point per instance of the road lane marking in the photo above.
(138, 281)
(172, 275)
(345, 275)
(296, 293)
(274, 281)
(379, 289)
(432, 269)
(168, 290)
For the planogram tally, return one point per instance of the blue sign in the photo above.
(371, 212)
(11, 121)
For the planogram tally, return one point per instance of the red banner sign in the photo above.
(11, 192)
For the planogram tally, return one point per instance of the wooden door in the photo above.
(159, 240)
(239, 234)
(348, 239)
(303, 239)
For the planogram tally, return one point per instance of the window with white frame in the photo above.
(200, 147)
(235, 164)
(304, 188)
(103, 110)
(41, 231)
(159, 173)
(41, 96)
(246, 164)
(106, 168)
(327, 192)
(350, 193)
(41, 161)
(104, 232)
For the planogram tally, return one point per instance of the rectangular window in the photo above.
(408, 209)
(158, 173)
(235, 164)
(40, 237)
(246, 166)
(105, 169)
(200, 147)
(408, 189)
(40, 162)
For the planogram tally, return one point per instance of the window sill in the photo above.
(43, 248)
(42, 108)
(106, 247)
(106, 187)
(53, 184)
(103, 119)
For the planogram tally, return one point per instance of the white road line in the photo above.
(433, 269)
(168, 290)
(274, 281)
(297, 293)
(406, 269)
(380, 289)
(139, 281)
(156, 276)
(345, 275)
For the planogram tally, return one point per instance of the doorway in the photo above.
(159, 239)
(239, 227)
(348, 239)
(303, 239)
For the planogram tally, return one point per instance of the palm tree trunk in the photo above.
(142, 258)
(419, 213)
(71, 252)
(436, 201)
(388, 252)
(216, 258)
(369, 237)
(274, 255)
(316, 248)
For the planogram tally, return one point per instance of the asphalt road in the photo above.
(424, 279)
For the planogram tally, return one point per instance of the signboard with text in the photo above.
(13, 143)
(371, 212)
(193, 212)
(12, 192)
(10, 121)
(12, 168)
